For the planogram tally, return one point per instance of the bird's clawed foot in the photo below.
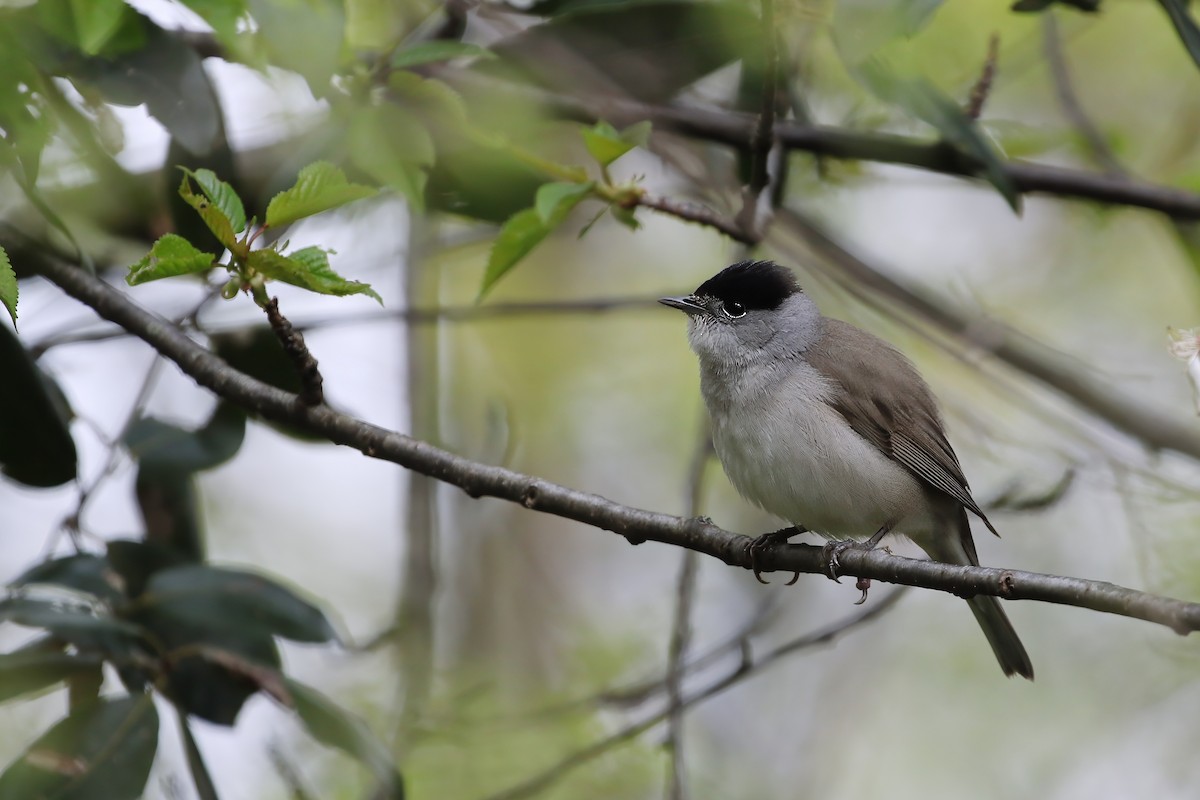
(864, 586)
(760, 546)
(831, 554)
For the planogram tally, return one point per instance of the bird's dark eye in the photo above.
(733, 310)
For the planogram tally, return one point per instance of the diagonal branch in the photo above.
(637, 525)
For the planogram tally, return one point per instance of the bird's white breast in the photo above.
(789, 452)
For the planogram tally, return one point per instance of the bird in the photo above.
(832, 429)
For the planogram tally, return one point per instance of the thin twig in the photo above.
(762, 141)
(1068, 101)
(681, 626)
(746, 669)
(983, 86)
(693, 212)
(537, 494)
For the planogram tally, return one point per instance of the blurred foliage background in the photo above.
(490, 648)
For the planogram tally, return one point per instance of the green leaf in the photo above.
(863, 27)
(309, 269)
(8, 286)
(171, 255)
(332, 725)
(81, 626)
(36, 447)
(319, 187)
(304, 37)
(605, 143)
(160, 446)
(222, 195)
(438, 50)
(555, 200)
(222, 15)
(82, 572)
(393, 147)
(213, 217)
(926, 102)
(1185, 26)
(33, 670)
(170, 509)
(136, 561)
(102, 751)
(523, 232)
(96, 21)
(213, 598)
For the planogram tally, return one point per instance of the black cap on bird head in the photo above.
(754, 285)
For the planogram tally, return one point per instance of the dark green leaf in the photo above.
(26, 671)
(925, 102)
(306, 39)
(83, 627)
(36, 447)
(102, 751)
(205, 789)
(222, 15)
(212, 598)
(650, 50)
(523, 232)
(319, 187)
(438, 50)
(8, 286)
(1185, 26)
(332, 725)
(136, 561)
(82, 572)
(309, 269)
(171, 511)
(159, 445)
(555, 200)
(171, 255)
(221, 195)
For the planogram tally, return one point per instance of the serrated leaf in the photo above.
(309, 269)
(102, 751)
(555, 200)
(82, 572)
(33, 670)
(523, 232)
(1185, 26)
(334, 726)
(605, 144)
(171, 255)
(319, 187)
(926, 102)
(222, 195)
(36, 447)
(96, 21)
(9, 290)
(438, 50)
(213, 217)
(212, 598)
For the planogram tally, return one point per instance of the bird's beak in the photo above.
(689, 304)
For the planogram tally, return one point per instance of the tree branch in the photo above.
(479, 480)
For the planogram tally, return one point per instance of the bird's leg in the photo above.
(832, 551)
(765, 542)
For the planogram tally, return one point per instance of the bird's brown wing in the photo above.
(907, 426)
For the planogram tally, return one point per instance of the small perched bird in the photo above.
(831, 428)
